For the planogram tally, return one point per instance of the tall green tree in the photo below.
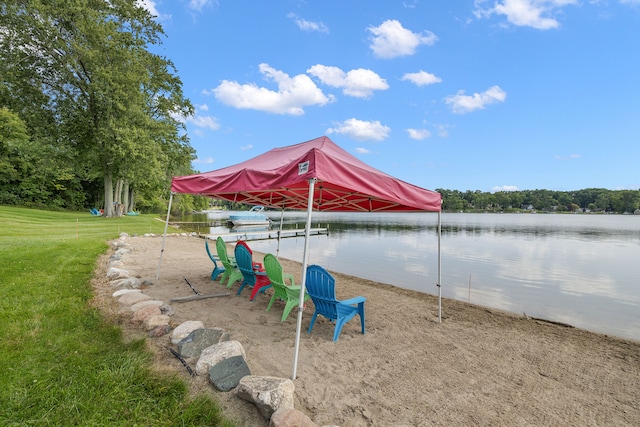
(13, 134)
(117, 105)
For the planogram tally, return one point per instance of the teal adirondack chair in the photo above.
(231, 271)
(321, 286)
(290, 294)
(257, 280)
(217, 270)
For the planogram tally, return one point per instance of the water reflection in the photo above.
(577, 269)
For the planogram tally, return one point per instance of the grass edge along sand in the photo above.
(62, 362)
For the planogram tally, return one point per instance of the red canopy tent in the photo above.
(313, 175)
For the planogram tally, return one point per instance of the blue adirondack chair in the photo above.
(258, 280)
(321, 286)
(217, 270)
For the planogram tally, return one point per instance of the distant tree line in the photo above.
(586, 200)
(594, 200)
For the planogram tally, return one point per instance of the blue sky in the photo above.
(482, 95)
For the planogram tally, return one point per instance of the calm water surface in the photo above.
(583, 270)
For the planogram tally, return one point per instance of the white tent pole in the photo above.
(307, 233)
(164, 236)
(439, 267)
(279, 233)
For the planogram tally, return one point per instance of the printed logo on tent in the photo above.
(303, 168)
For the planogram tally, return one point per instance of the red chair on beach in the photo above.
(258, 280)
(256, 265)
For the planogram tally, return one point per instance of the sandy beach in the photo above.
(479, 367)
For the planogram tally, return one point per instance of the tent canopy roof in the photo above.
(280, 178)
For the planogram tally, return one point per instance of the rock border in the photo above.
(219, 357)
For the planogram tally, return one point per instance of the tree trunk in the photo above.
(125, 196)
(108, 195)
(117, 192)
(132, 201)
(118, 201)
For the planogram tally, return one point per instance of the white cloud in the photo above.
(361, 130)
(199, 120)
(305, 25)
(418, 134)
(207, 122)
(539, 14)
(390, 40)
(422, 78)
(292, 95)
(504, 188)
(362, 150)
(200, 4)
(461, 103)
(569, 157)
(246, 147)
(207, 160)
(150, 6)
(359, 83)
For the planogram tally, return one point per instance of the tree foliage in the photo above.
(101, 110)
(586, 200)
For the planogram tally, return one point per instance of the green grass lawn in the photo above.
(61, 363)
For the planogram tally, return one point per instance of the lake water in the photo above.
(583, 270)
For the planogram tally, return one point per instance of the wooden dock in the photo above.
(248, 232)
(267, 234)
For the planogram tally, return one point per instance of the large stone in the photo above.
(289, 417)
(121, 292)
(123, 251)
(142, 304)
(193, 344)
(268, 393)
(226, 374)
(216, 353)
(117, 273)
(159, 331)
(144, 313)
(133, 298)
(116, 263)
(167, 309)
(119, 243)
(126, 283)
(184, 329)
(154, 321)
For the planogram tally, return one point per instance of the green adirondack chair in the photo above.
(289, 294)
(231, 271)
